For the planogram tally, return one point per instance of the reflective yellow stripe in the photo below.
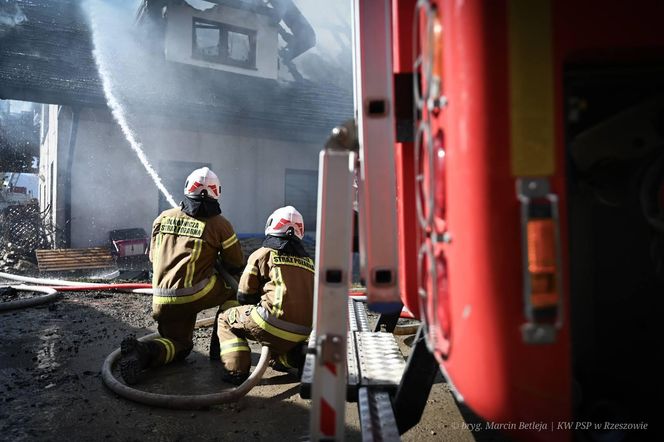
(188, 298)
(234, 350)
(233, 346)
(278, 292)
(283, 334)
(229, 304)
(229, 242)
(296, 261)
(191, 266)
(252, 270)
(531, 86)
(302, 266)
(170, 348)
(283, 360)
(230, 342)
(182, 226)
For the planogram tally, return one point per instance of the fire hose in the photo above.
(46, 281)
(147, 398)
(49, 295)
(51, 289)
(182, 402)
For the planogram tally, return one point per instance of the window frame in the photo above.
(224, 57)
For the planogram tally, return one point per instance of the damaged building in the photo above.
(215, 86)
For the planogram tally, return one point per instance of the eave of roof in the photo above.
(49, 59)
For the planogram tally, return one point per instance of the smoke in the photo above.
(106, 50)
(11, 16)
(186, 115)
(201, 5)
(330, 61)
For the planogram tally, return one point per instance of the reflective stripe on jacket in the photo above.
(184, 250)
(280, 328)
(283, 284)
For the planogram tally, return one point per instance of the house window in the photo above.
(223, 43)
(301, 193)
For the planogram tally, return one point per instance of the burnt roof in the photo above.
(48, 58)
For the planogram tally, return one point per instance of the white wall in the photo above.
(48, 156)
(179, 37)
(111, 190)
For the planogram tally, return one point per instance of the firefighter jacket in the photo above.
(184, 251)
(283, 286)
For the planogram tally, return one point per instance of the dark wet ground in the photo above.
(51, 388)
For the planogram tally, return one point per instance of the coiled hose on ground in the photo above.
(182, 402)
(185, 402)
(48, 296)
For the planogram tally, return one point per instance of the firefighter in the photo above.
(276, 296)
(186, 244)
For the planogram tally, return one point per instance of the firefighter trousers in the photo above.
(176, 324)
(236, 325)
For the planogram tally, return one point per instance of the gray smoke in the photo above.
(11, 16)
(178, 114)
(330, 61)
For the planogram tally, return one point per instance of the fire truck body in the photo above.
(529, 154)
(484, 217)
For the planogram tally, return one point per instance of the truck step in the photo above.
(376, 416)
(373, 358)
(381, 361)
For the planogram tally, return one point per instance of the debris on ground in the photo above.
(23, 229)
(52, 390)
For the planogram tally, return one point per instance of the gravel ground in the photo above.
(51, 388)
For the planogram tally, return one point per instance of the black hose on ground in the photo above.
(48, 296)
(182, 402)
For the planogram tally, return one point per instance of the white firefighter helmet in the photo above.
(283, 220)
(202, 182)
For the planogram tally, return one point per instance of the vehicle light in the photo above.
(542, 263)
(541, 260)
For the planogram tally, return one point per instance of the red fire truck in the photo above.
(528, 228)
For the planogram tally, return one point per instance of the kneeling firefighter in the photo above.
(186, 243)
(276, 292)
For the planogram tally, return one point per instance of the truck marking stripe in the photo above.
(531, 88)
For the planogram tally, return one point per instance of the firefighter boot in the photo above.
(234, 378)
(215, 347)
(135, 359)
(298, 355)
(293, 359)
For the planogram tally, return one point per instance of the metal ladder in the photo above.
(375, 367)
(346, 360)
